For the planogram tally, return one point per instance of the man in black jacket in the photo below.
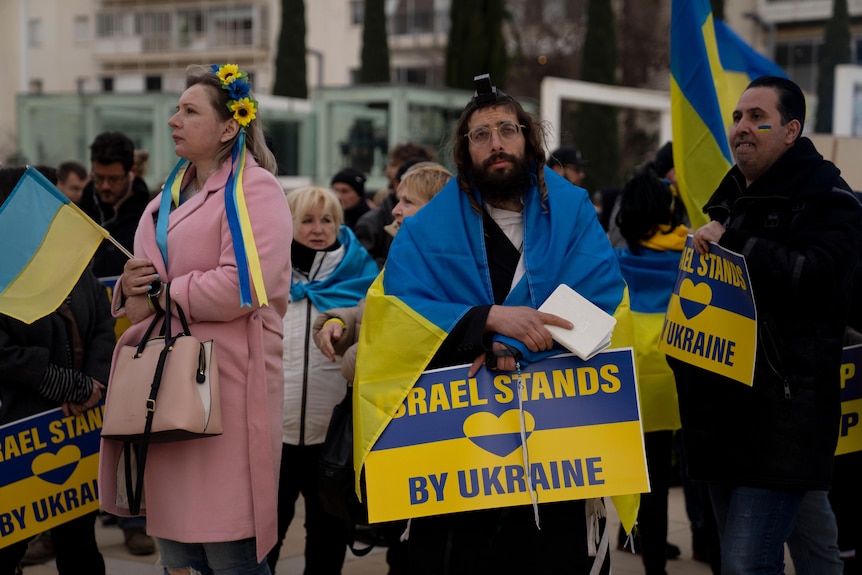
(115, 198)
(796, 222)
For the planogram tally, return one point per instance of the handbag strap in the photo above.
(135, 495)
(148, 333)
(135, 492)
(180, 313)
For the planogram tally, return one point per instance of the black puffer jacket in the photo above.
(800, 230)
(26, 350)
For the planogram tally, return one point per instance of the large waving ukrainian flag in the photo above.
(710, 67)
(47, 243)
(437, 270)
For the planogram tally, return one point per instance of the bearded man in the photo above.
(473, 266)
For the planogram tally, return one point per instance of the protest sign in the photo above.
(850, 431)
(711, 321)
(49, 465)
(455, 443)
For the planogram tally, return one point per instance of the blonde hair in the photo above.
(303, 200)
(423, 180)
(255, 141)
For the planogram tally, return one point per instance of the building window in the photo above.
(415, 17)
(34, 32)
(81, 85)
(155, 31)
(413, 76)
(799, 59)
(107, 84)
(233, 26)
(153, 83)
(108, 25)
(190, 26)
(357, 12)
(82, 29)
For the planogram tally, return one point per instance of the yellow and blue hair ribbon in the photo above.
(236, 210)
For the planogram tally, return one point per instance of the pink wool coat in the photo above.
(220, 488)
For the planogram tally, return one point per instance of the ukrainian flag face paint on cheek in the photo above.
(764, 128)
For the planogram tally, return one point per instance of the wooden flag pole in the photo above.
(120, 247)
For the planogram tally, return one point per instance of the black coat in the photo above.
(108, 260)
(26, 350)
(800, 230)
(370, 229)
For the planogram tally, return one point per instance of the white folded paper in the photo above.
(592, 327)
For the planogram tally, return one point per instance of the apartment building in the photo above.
(90, 47)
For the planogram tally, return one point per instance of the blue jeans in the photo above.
(227, 558)
(753, 525)
(814, 543)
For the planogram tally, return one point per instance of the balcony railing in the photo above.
(419, 22)
(150, 32)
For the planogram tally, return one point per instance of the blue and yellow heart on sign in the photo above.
(694, 298)
(455, 442)
(58, 467)
(711, 320)
(498, 435)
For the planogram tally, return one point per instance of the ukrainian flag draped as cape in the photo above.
(710, 67)
(650, 275)
(437, 270)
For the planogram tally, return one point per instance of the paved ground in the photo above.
(120, 562)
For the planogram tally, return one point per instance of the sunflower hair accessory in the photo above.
(235, 81)
(249, 271)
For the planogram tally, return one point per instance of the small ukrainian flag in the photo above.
(47, 243)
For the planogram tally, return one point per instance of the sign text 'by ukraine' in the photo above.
(455, 444)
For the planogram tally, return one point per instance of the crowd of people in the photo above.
(283, 282)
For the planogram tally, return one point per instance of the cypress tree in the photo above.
(374, 65)
(596, 125)
(836, 50)
(290, 66)
(476, 44)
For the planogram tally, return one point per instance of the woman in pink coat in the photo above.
(211, 502)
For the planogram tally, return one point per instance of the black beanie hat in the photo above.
(663, 160)
(353, 178)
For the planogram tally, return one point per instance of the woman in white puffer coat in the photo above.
(330, 269)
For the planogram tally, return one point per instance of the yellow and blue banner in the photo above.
(455, 443)
(710, 67)
(47, 243)
(850, 431)
(711, 320)
(49, 464)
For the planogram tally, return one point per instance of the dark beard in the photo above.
(502, 188)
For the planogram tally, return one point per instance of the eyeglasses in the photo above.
(99, 179)
(481, 135)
